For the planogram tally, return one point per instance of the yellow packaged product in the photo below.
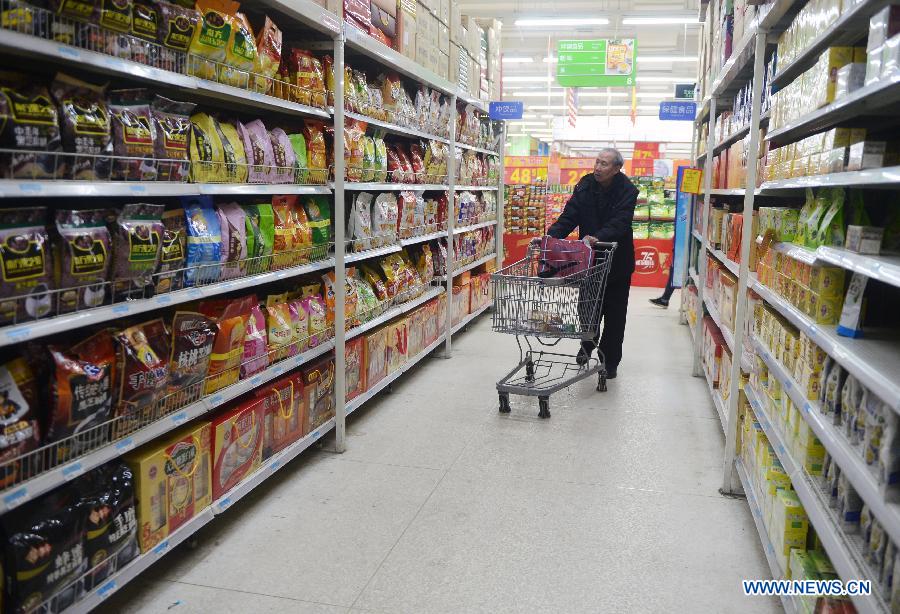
(234, 169)
(825, 310)
(206, 150)
(208, 48)
(241, 56)
(172, 482)
(827, 281)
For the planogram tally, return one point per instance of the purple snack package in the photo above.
(285, 158)
(258, 149)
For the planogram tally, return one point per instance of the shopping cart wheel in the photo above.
(504, 403)
(601, 382)
(544, 403)
(529, 371)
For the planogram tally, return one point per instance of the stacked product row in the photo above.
(654, 213)
(797, 548)
(83, 132)
(526, 209)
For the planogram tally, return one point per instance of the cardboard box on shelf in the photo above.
(407, 30)
(355, 368)
(443, 67)
(284, 411)
(455, 24)
(237, 444)
(443, 38)
(172, 481)
(318, 384)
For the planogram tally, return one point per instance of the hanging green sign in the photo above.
(596, 63)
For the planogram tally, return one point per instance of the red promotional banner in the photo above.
(652, 261)
(524, 169)
(573, 169)
(644, 150)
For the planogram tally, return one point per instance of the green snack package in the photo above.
(369, 169)
(381, 164)
(260, 224)
(832, 229)
(800, 236)
(318, 212)
(641, 230)
(298, 144)
(814, 221)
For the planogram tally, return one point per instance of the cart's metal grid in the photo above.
(530, 301)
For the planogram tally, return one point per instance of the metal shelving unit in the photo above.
(843, 552)
(468, 267)
(474, 226)
(874, 360)
(335, 38)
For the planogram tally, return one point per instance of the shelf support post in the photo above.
(451, 224)
(340, 248)
(501, 200)
(731, 483)
(701, 260)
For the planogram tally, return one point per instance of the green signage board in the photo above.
(596, 63)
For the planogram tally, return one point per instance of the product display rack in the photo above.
(334, 37)
(875, 361)
(840, 547)
(789, 605)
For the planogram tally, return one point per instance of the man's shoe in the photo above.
(660, 302)
(584, 354)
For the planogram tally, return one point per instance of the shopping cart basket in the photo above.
(534, 298)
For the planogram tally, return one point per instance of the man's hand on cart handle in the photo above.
(535, 241)
(590, 241)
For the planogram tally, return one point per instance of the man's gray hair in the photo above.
(618, 160)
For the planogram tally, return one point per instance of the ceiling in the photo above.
(666, 55)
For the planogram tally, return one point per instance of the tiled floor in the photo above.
(440, 505)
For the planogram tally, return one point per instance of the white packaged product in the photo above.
(889, 456)
(875, 418)
(887, 570)
(359, 227)
(877, 544)
(384, 219)
(849, 505)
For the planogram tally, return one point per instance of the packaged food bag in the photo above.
(204, 241)
(268, 48)
(260, 233)
(235, 167)
(258, 151)
(359, 227)
(170, 275)
(142, 370)
(133, 135)
(230, 316)
(207, 152)
(209, 44)
(256, 353)
(83, 255)
(137, 241)
(34, 131)
(81, 391)
(172, 128)
(241, 55)
(233, 226)
(318, 214)
(176, 25)
(85, 128)
(284, 157)
(193, 335)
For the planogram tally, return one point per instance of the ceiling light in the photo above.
(549, 116)
(663, 79)
(550, 22)
(527, 79)
(549, 60)
(520, 123)
(666, 58)
(517, 60)
(537, 94)
(659, 21)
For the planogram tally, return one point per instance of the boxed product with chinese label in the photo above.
(376, 357)
(416, 332)
(789, 525)
(237, 444)
(397, 344)
(284, 410)
(355, 379)
(173, 481)
(318, 384)
(864, 239)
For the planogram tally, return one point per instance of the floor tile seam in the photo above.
(258, 594)
(412, 520)
(360, 461)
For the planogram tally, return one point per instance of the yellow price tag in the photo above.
(690, 180)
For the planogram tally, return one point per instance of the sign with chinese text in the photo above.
(596, 63)
(524, 169)
(506, 110)
(571, 170)
(646, 150)
(685, 91)
(677, 111)
(690, 180)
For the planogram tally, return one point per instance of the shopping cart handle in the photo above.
(605, 245)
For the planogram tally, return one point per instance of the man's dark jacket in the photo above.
(604, 213)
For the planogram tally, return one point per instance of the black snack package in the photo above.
(28, 123)
(133, 135)
(25, 264)
(83, 250)
(84, 118)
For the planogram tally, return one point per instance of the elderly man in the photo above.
(602, 207)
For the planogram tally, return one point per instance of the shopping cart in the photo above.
(534, 298)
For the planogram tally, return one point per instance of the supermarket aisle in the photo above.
(442, 506)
